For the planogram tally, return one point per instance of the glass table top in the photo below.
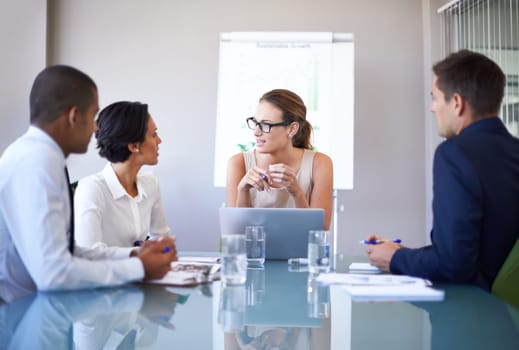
(279, 307)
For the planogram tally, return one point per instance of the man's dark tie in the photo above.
(71, 199)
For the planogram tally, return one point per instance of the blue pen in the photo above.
(377, 241)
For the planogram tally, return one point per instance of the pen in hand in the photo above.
(166, 249)
(378, 241)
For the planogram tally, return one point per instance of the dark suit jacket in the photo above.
(475, 208)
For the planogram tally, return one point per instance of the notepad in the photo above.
(358, 267)
(384, 287)
(393, 293)
(371, 280)
(187, 274)
(199, 259)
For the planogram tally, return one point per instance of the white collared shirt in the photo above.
(34, 221)
(107, 216)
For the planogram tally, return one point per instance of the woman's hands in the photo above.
(283, 176)
(255, 178)
(278, 176)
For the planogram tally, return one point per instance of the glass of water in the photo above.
(318, 251)
(234, 259)
(255, 245)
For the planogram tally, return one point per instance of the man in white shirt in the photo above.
(36, 230)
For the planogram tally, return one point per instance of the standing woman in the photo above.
(120, 206)
(281, 171)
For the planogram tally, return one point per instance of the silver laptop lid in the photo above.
(286, 228)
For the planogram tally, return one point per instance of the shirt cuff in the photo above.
(122, 253)
(136, 269)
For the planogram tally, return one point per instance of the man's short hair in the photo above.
(58, 88)
(474, 76)
(118, 125)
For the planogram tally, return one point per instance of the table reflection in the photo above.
(134, 324)
(232, 307)
(471, 319)
(282, 309)
(318, 298)
(88, 319)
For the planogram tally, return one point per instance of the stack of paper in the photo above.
(199, 259)
(187, 273)
(362, 287)
(357, 267)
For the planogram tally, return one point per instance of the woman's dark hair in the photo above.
(294, 110)
(118, 125)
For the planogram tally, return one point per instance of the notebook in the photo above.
(286, 228)
(385, 287)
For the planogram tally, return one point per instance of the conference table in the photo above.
(279, 307)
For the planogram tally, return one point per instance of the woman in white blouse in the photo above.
(120, 206)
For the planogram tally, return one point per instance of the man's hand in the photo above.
(156, 257)
(380, 255)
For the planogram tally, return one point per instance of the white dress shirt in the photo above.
(34, 222)
(106, 215)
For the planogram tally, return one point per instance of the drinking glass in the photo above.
(318, 251)
(234, 259)
(255, 245)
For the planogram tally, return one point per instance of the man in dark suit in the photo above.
(475, 180)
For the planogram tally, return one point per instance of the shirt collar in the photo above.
(40, 135)
(115, 186)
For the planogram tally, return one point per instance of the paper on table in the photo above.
(189, 274)
(393, 293)
(371, 280)
(365, 287)
(364, 267)
(200, 259)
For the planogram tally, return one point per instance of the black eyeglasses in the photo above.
(264, 126)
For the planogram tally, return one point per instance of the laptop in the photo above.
(286, 229)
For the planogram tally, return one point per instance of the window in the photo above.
(316, 66)
(490, 27)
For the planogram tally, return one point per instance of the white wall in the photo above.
(165, 53)
(22, 47)
(432, 54)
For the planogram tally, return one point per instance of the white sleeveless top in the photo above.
(281, 198)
